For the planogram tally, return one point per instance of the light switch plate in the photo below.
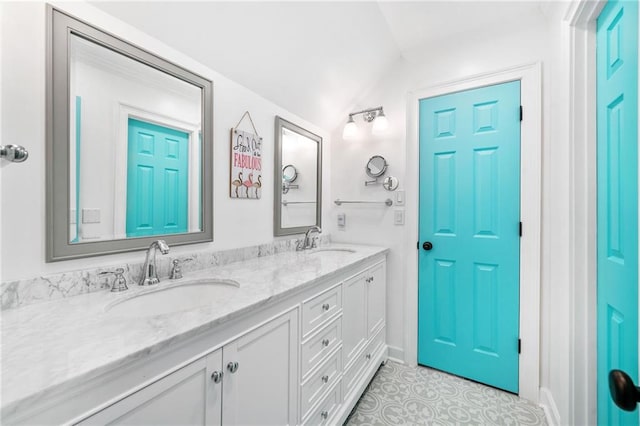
(398, 217)
(400, 197)
(90, 215)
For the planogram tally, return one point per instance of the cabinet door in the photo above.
(261, 389)
(354, 316)
(187, 396)
(376, 298)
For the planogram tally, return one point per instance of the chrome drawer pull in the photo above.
(324, 414)
(325, 378)
(325, 307)
(325, 342)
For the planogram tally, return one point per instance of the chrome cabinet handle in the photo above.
(324, 414)
(325, 342)
(325, 378)
(368, 356)
(232, 367)
(325, 307)
(216, 376)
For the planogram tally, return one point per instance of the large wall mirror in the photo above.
(298, 179)
(129, 146)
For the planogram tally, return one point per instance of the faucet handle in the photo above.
(120, 282)
(176, 270)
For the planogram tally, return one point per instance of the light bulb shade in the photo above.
(380, 124)
(350, 130)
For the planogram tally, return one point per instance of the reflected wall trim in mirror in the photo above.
(129, 145)
(300, 209)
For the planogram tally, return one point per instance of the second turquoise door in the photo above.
(157, 180)
(469, 261)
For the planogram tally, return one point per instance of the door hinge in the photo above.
(521, 229)
(519, 345)
(521, 113)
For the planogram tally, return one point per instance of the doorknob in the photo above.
(427, 245)
(623, 392)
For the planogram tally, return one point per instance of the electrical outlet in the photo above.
(398, 217)
(342, 220)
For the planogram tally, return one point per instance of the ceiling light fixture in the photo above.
(380, 122)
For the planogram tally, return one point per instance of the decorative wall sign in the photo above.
(246, 162)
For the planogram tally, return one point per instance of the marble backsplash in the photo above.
(18, 293)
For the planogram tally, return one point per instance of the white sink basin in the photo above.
(179, 297)
(332, 250)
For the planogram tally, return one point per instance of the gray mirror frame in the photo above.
(58, 247)
(278, 230)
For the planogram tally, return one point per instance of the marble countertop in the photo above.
(56, 344)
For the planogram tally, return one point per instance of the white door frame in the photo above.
(580, 42)
(530, 76)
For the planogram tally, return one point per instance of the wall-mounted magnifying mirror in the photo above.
(376, 166)
(289, 173)
(300, 209)
(390, 183)
(129, 138)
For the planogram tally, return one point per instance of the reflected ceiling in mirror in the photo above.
(130, 145)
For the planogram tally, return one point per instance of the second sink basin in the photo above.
(179, 297)
(332, 250)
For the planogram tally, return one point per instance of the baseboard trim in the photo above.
(548, 404)
(396, 354)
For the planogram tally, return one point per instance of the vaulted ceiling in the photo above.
(313, 58)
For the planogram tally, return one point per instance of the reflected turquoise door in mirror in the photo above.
(157, 180)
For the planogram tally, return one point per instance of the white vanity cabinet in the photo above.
(364, 319)
(249, 381)
(186, 396)
(304, 358)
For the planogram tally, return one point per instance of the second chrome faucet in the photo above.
(149, 270)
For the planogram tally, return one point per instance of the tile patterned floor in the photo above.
(402, 395)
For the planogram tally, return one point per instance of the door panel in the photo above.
(157, 180)
(617, 163)
(470, 211)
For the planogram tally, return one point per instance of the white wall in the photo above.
(467, 55)
(237, 223)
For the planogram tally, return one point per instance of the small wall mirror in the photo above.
(390, 183)
(376, 166)
(129, 146)
(295, 211)
(289, 173)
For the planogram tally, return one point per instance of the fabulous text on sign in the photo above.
(246, 162)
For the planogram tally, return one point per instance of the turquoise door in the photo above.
(617, 163)
(157, 180)
(469, 281)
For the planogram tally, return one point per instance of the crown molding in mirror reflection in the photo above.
(91, 149)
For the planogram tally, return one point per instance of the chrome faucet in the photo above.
(149, 271)
(308, 242)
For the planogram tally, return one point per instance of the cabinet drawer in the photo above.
(317, 310)
(319, 382)
(318, 346)
(323, 414)
(362, 363)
